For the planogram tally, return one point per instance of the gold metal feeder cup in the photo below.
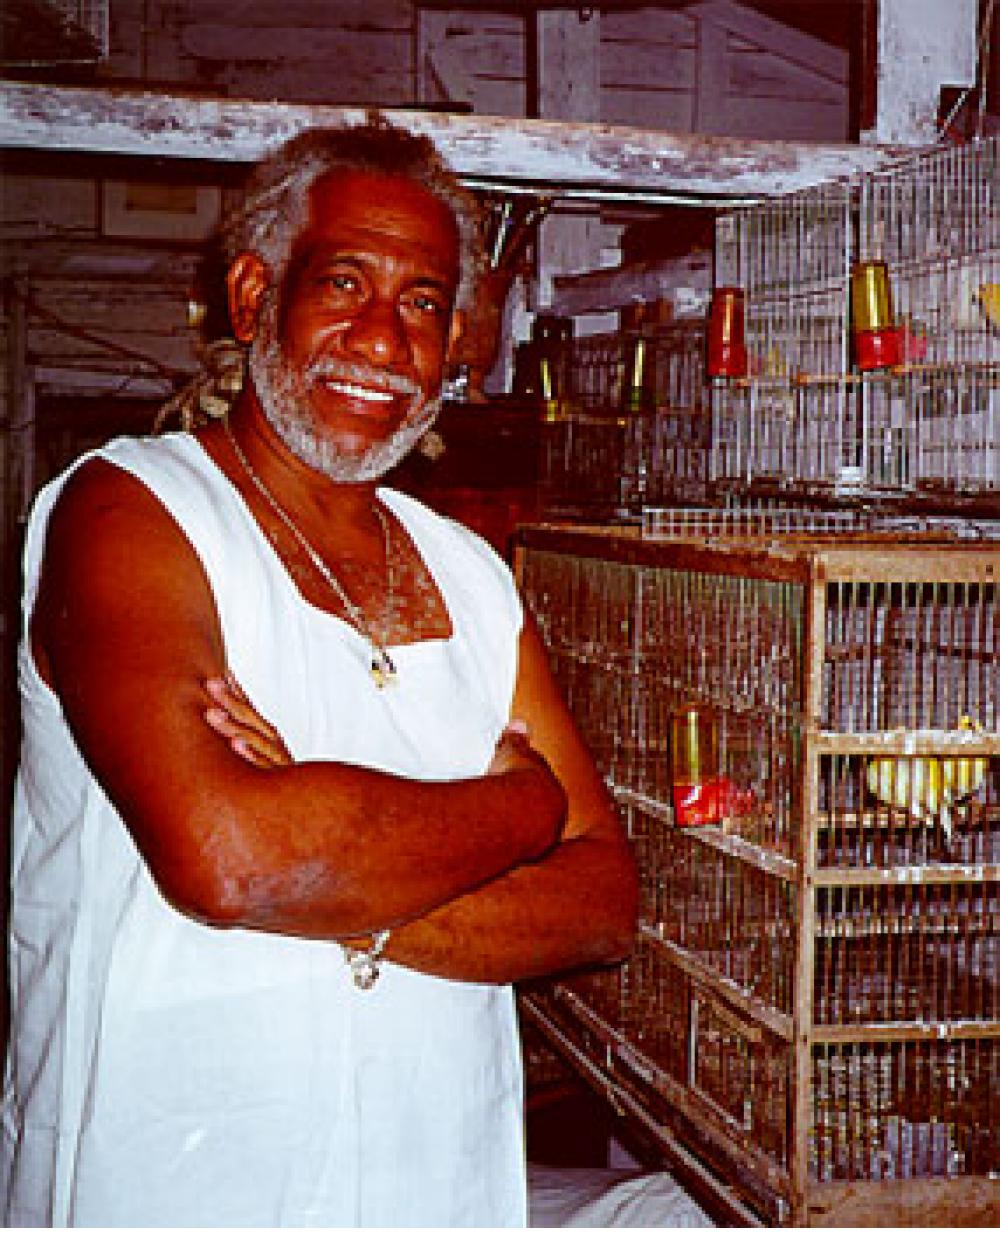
(876, 337)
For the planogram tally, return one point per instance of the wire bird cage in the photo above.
(637, 423)
(808, 1028)
(633, 427)
(927, 427)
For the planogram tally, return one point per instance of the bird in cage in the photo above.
(928, 787)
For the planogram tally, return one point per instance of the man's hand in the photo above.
(234, 717)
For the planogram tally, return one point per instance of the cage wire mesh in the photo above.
(639, 423)
(806, 414)
(901, 833)
(634, 428)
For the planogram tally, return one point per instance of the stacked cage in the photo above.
(924, 424)
(632, 428)
(808, 1028)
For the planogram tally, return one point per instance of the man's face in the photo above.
(349, 355)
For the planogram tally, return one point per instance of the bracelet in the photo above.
(364, 963)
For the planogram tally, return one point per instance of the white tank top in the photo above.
(163, 1072)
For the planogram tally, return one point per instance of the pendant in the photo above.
(382, 668)
(363, 967)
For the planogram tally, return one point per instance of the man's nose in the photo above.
(376, 334)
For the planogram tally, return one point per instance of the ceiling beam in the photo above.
(579, 157)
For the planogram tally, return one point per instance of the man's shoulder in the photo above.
(104, 477)
(112, 499)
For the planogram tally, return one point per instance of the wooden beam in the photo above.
(580, 156)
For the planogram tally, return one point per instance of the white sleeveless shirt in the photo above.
(163, 1072)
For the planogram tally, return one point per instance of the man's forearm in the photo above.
(577, 905)
(329, 850)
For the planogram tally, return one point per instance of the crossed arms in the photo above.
(521, 872)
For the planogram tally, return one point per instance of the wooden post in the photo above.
(568, 89)
(805, 954)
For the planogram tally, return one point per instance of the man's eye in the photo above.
(429, 304)
(339, 281)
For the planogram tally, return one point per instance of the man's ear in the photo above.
(246, 282)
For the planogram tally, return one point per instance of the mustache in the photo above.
(361, 375)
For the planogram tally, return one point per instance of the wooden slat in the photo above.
(265, 15)
(892, 877)
(807, 798)
(884, 1033)
(910, 743)
(647, 66)
(355, 51)
(966, 1200)
(730, 1139)
(688, 1167)
(770, 861)
(773, 562)
(577, 154)
(795, 46)
(728, 990)
(913, 560)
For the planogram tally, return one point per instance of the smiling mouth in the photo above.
(352, 390)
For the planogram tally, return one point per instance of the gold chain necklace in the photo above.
(383, 670)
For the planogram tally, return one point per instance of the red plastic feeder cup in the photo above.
(727, 352)
(876, 337)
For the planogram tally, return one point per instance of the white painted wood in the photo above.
(686, 281)
(569, 64)
(592, 158)
(922, 46)
(569, 88)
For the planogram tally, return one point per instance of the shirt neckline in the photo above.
(390, 499)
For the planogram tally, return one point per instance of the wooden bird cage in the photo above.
(808, 1028)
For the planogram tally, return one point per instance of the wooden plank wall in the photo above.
(303, 51)
(711, 68)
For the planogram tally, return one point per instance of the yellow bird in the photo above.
(989, 296)
(927, 787)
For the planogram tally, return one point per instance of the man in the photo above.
(263, 933)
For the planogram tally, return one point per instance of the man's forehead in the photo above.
(385, 209)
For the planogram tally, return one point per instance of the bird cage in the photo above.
(800, 729)
(921, 421)
(633, 429)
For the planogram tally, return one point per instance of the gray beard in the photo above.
(282, 392)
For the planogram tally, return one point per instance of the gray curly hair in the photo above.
(275, 208)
